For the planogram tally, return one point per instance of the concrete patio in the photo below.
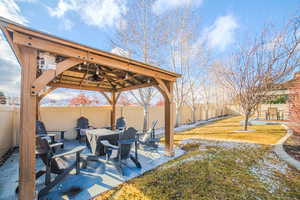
(96, 178)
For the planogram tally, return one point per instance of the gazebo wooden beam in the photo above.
(17, 28)
(27, 40)
(136, 87)
(107, 97)
(78, 87)
(113, 102)
(39, 99)
(162, 87)
(27, 129)
(167, 93)
(42, 81)
(113, 111)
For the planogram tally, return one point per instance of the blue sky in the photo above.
(92, 22)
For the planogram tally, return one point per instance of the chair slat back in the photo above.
(121, 123)
(83, 123)
(44, 151)
(40, 128)
(126, 139)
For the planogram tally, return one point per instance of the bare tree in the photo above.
(196, 77)
(256, 69)
(183, 57)
(142, 36)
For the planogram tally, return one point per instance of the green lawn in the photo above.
(218, 170)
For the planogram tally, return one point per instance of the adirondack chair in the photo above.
(126, 139)
(60, 164)
(148, 139)
(82, 123)
(121, 123)
(42, 132)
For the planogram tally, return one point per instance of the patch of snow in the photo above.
(265, 171)
(223, 144)
(180, 162)
(184, 127)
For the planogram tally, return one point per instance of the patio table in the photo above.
(94, 136)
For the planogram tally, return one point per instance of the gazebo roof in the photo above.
(82, 67)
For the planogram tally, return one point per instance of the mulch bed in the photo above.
(292, 146)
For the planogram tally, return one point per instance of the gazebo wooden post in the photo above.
(166, 89)
(38, 100)
(113, 111)
(28, 117)
(169, 120)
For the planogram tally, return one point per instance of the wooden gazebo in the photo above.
(78, 67)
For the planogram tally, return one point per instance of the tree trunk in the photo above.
(194, 114)
(146, 114)
(178, 115)
(206, 113)
(246, 121)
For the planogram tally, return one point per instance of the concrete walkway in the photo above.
(279, 150)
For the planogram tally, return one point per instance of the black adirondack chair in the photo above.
(82, 123)
(121, 123)
(60, 164)
(42, 132)
(125, 142)
(148, 139)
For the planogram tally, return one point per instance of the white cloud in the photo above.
(121, 52)
(10, 10)
(9, 66)
(221, 33)
(160, 6)
(98, 13)
(9, 70)
(67, 24)
(61, 94)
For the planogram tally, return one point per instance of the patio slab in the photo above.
(96, 178)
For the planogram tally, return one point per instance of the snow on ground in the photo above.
(184, 127)
(265, 171)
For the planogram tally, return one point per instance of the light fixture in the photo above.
(47, 61)
(97, 71)
(84, 62)
(148, 81)
(126, 76)
(79, 67)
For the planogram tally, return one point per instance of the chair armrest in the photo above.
(58, 131)
(51, 134)
(56, 144)
(72, 151)
(107, 144)
(41, 135)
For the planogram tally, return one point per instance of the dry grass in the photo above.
(218, 173)
(240, 171)
(223, 130)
